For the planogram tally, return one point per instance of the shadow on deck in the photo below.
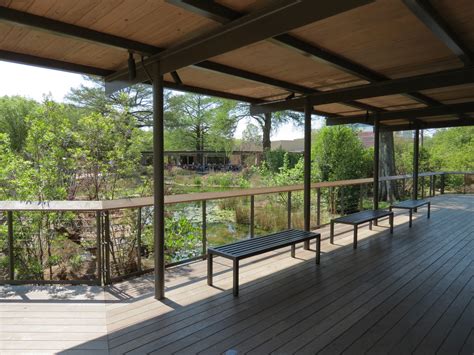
(410, 292)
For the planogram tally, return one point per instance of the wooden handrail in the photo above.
(136, 202)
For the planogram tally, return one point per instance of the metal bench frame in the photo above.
(260, 245)
(412, 205)
(359, 218)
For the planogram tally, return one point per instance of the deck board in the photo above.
(401, 293)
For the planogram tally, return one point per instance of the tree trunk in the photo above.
(266, 131)
(388, 189)
(199, 144)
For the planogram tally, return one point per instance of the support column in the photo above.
(416, 153)
(307, 168)
(376, 161)
(158, 182)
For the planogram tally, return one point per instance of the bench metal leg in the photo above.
(356, 227)
(236, 278)
(209, 269)
(318, 249)
(429, 209)
(331, 236)
(391, 223)
(411, 218)
(293, 248)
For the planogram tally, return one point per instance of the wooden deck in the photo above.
(410, 292)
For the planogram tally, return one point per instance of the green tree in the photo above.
(135, 100)
(202, 122)
(338, 154)
(13, 119)
(267, 122)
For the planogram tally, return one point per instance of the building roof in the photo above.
(370, 47)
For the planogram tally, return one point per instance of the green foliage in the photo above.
(279, 158)
(13, 119)
(338, 154)
(182, 239)
(452, 149)
(199, 122)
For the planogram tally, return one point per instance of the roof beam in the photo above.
(411, 114)
(428, 125)
(48, 63)
(69, 30)
(425, 11)
(225, 15)
(389, 87)
(294, 88)
(278, 17)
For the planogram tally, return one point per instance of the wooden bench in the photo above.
(412, 205)
(361, 217)
(255, 246)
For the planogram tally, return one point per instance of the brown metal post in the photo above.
(100, 269)
(376, 162)
(139, 239)
(11, 248)
(158, 181)
(107, 246)
(307, 168)
(416, 153)
(288, 203)
(318, 206)
(204, 228)
(252, 216)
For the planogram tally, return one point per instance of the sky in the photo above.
(35, 83)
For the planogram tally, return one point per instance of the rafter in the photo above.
(426, 12)
(389, 87)
(225, 15)
(411, 114)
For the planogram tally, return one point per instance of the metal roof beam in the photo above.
(428, 125)
(225, 15)
(411, 114)
(48, 63)
(425, 11)
(278, 17)
(70, 30)
(389, 87)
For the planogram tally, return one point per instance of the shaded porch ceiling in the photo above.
(372, 43)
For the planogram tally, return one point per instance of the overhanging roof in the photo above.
(333, 48)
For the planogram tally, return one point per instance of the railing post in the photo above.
(443, 177)
(252, 216)
(422, 187)
(342, 200)
(107, 247)
(288, 204)
(100, 274)
(11, 250)
(434, 185)
(204, 229)
(404, 186)
(318, 206)
(139, 239)
(465, 184)
(361, 197)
